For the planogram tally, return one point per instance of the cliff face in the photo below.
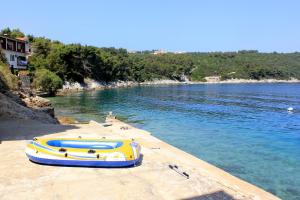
(12, 107)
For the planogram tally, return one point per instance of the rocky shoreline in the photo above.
(95, 85)
(22, 105)
(237, 81)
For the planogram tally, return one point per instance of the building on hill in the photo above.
(161, 51)
(16, 51)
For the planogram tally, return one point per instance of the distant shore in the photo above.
(249, 81)
(95, 85)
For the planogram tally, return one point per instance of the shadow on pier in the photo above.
(218, 195)
(14, 129)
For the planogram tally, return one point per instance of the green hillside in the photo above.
(75, 62)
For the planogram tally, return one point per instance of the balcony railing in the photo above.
(22, 63)
(12, 44)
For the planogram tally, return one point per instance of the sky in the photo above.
(172, 25)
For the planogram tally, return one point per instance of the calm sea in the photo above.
(244, 129)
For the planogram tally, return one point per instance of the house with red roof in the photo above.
(16, 51)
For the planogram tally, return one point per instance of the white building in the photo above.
(161, 51)
(16, 51)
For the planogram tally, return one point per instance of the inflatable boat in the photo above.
(83, 152)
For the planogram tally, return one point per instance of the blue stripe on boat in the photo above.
(83, 163)
(49, 149)
(85, 144)
(43, 147)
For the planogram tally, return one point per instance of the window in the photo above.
(11, 45)
(3, 43)
(12, 57)
(21, 47)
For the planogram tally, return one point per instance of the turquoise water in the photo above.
(244, 129)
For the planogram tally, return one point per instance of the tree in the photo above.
(6, 32)
(12, 33)
(15, 33)
(47, 81)
(41, 46)
(75, 62)
(30, 38)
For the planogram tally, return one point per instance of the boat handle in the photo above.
(91, 151)
(62, 150)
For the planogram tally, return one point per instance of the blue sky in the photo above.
(186, 25)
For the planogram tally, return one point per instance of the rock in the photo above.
(37, 102)
(212, 79)
(90, 84)
(23, 95)
(161, 82)
(14, 96)
(183, 78)
(66, 120)
(9, 108)
(73, 86)
(93, 84)
(49, 110)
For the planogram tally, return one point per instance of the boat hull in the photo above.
(83, 152)
(79, 163)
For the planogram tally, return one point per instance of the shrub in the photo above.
(2, 58)
(47, 81)
(8, 80)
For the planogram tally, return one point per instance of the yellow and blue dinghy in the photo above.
(83, 152)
